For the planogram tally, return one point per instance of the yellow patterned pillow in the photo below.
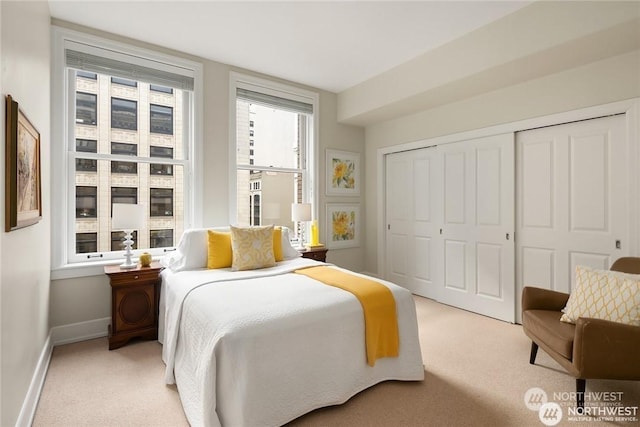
(252, 247)
(219, 249)
(604, 294)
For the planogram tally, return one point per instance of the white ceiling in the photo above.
(328, 45)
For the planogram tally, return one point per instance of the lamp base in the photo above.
(128, 242)
(126, 266)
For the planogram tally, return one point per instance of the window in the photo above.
(86, 165)
(166, 152)
(86, 202)
(117, 240)
(125, 150)
(124, 82)
(161, 119)
(124, 167)
(161, 238)
(162, 89)
(86, 146)
(161, 202)
(274, 138)
(124, 114)
(124, 195)
(91, 76)
(102, 83)
(86, 242)
(161, 168)
(86, 108)
(255, 204)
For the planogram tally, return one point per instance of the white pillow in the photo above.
(193, 250)
(288, 251)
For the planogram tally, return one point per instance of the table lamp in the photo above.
(301, 212)
(127, 217)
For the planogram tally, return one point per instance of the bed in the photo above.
(263, 347)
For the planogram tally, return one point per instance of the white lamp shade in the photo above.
(127, 216)
(301, 212)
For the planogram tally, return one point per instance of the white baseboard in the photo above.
(82, 331)
(28, 410)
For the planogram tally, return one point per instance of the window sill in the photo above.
(82, 269)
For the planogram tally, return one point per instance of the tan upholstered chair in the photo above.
(590, 349)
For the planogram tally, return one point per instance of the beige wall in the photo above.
(85, 299)
(546, 58)
(25, 262)
(610, 80)
(543, 38)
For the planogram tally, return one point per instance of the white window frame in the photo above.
(62, 126)
(257, 84)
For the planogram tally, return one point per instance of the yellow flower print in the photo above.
(343, 173)
(343, 225)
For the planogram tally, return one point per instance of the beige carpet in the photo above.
(476, 374)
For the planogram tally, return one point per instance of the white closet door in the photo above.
(572, 205)
(412, 223)
(450, 221)
(478, 223)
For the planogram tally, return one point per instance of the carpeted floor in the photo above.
(476, 374)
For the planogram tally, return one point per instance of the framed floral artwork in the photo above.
(343, 226)
(23, 199)
(343, 173)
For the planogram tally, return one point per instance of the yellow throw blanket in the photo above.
(378, 305)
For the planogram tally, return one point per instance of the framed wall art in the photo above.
(343, 173)
(343, 226)
(23, 198)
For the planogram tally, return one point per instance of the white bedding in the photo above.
(262, 347)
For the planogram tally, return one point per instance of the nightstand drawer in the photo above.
(134, 278)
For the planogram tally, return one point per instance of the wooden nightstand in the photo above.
(134, 303)
(319, 254)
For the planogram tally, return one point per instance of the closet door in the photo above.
(478, 224)
(450, 221)
(412, 197)
(572, 205)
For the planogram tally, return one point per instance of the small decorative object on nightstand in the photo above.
(318, 253)
(134, 303)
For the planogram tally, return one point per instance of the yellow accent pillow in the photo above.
(277, 244)
(604, 294)
(219, 249)
(252, 247)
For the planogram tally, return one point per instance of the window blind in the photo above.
(274, 101)
(103, 61)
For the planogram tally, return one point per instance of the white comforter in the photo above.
(260, 348)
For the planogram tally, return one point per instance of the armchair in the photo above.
(590, 349)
